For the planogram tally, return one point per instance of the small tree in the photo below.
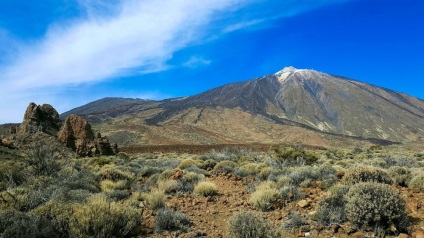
(43, 158)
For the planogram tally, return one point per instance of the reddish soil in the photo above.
(210, 215)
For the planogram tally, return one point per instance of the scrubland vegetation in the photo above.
(45, 192)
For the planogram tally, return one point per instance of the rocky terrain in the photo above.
(293, 106)
(42, 121)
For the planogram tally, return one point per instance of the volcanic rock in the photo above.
(77, 134)
(38, 118)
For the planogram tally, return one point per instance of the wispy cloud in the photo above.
(119, 38)
(196, 61)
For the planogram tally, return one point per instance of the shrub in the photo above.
(149, 171)
(59, 213)
(375, 205)
(155, 199)
(99, 161)
(169, 186)
(290, 156)
(293, 221)
(109, 185)
(417, 182)
(331, 208)
(248, 169)
(22, 198)
(400, 175)
(265, 195)
(187, 163)
(73, 179)
(289, 193)
(101, 218)
(225, 166)
(206, 188)
(187, 182)
(22, 225)
(43, 158)
(366, 174)
(117, 173)
(284, 180)
(12, 174)
(166, 174)
(168, 219)
(250, 225)
(207, 164)
(265, 172)
(116, 195)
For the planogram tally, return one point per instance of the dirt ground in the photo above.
(210, 215)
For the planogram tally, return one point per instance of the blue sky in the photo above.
(70, 52)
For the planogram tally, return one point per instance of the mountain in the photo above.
(291, 105)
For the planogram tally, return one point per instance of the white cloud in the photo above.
(133, 37)
(116, 38)
(196, 61)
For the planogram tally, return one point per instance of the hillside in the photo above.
(293, 105)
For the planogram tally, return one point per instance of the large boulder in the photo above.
(38, 119)
(76, 133)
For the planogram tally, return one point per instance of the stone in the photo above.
(40, 119)
(402, 235)
(418, 233)
(303, 203)
(76, 133)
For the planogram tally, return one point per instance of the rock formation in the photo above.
(76, 133)
(38, 118)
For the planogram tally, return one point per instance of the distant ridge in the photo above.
(299, 98)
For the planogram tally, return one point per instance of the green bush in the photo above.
(248, 169)
(265, 195)
(205, 188)
(293, 222)
(59, 213)
(149, 171)
(250, 225)
(12, 174)
(225, 166)
(289, 193)
(169, 186)
(400, 175)
(187, 163)
(366, 174)
(331, 208)
(43, 158)
(74, 179)
(22, 225)
(117, 173)
(99, 161)
(290, 156)
(417, 182)
(155, 199)
(168, 219)
(375, 205)
(166, 174)
(207, 164)
(187, 182)
(109, 185)
(102, 218)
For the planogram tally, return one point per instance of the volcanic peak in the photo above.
(291, 72)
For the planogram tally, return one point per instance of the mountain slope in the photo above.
(306, 99)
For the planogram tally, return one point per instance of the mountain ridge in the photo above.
(294, 97)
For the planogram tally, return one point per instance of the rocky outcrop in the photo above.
(38, 119)
(76, 133)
